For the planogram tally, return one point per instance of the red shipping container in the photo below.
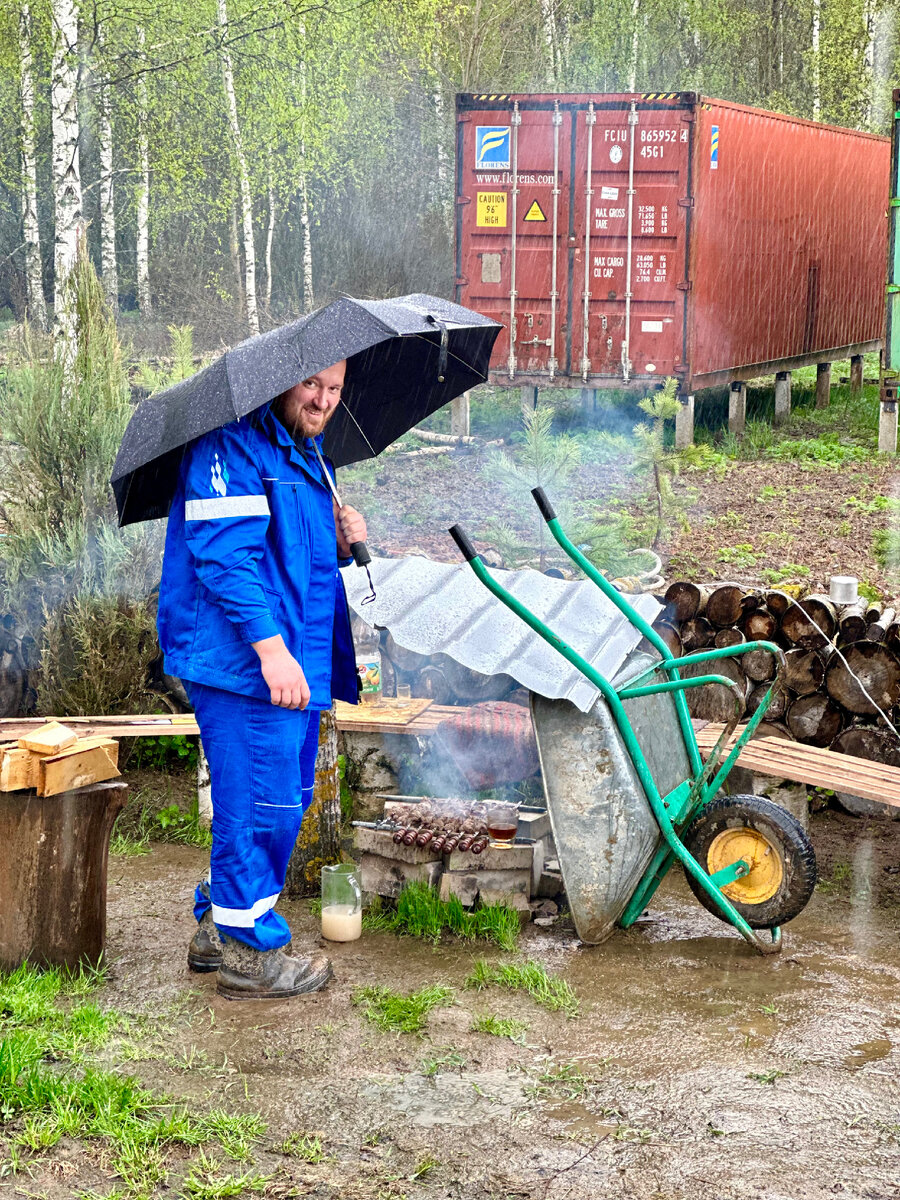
(624, 238)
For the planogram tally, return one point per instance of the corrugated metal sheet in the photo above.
(441, 608)
(751, 239)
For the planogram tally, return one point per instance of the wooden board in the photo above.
(18, 769)
(118, 727)
(49, 738)
(811, 765)
(386, 715)
(90, 760)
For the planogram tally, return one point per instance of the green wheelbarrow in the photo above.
(629, 795)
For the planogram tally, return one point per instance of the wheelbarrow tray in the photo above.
(605, 831)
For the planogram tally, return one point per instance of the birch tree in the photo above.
(37, 308)
(66, 172)
(243, 173)
(142, 198)
(108, 265)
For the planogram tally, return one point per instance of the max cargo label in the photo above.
(535, 213)
(490, 210)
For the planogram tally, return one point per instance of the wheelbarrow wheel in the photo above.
(782, 861)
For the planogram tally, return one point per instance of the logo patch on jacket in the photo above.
(219, 477)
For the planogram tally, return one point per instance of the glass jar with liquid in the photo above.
(341, 902)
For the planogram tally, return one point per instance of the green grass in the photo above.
(52, 1087)
(306, 1146)
(447, 1060)
(391, 1011)
(421, 913)
(776, 575)
(545, 989)
(500, 1027)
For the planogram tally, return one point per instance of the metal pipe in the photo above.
(591, 121)
(515, 121)
(553, 362)
(626, 344)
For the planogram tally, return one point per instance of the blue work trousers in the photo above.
(262, 762)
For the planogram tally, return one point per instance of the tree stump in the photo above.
(319, 840)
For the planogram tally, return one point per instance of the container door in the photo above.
(513, 198)
(631, 189)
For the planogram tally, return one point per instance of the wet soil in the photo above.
(696, 1069)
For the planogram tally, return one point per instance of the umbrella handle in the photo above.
(360, 552)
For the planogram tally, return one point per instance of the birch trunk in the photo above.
(270, 236)
(884, 20)
(243, 174)
(37, 307)
(108, 268)
(308, 295)
(548, 28)
(142, 200)
(635, 44)
(66, 172)
(444, 178)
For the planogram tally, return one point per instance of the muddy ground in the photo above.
(695, 1070)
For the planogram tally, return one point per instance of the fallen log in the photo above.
(725, 605)
(815, 720)
(804, 671)
(864, 667)
(810, 623)
(714, 702)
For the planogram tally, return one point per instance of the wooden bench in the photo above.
(808, 764)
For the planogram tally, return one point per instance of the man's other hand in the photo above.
(283, 674)
(350, 526)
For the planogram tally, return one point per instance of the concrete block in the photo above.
(388, 876)
(550, 884)
(790, 795)
(511, 899)
(460, 884)
(517, 857)
(376, 841)
(684, 423)
(511, 888)
(534, 825)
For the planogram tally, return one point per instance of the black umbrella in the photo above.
(406, 358)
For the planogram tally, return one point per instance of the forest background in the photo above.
(235, 162)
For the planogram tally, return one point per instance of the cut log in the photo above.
(815, 720)
(868, 664)
(776, 729)
(48, 739)
(777, 705)
(90, 760)
(695, 634)
(729, 637)
(852, 623)
(892, 638)
(725, 605)
(804, 671)
(778, 602)
(865, 741)
(874, 611)
(810, 623)
(760, 625)
(758, 665)
(714, 702)
(686, 599)
(670, 636)
(877, 630)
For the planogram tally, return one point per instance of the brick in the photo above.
(517, 857)
(377, 841)
(388, 876)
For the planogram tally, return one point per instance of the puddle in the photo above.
(579, 1119)
(449, 1099)
(867, 1052)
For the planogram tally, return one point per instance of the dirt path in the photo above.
(696, 1070)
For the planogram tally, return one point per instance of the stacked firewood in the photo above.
(842, 663)
(54, 759)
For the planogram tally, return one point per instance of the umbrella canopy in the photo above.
(406, 358)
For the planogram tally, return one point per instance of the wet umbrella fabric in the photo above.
(405, 359)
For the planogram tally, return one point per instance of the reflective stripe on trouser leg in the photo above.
(254, 752)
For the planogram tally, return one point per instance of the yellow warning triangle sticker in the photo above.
(535, 213)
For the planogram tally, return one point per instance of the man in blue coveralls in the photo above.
(254, 620)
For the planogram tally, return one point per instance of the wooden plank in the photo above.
(48, 738)
(78, 766)
(186, 726)
(386, 712)
(811, 765)
(18, 769)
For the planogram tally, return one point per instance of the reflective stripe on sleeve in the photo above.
(243, 918)
(226, 506)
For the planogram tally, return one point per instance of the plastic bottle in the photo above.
(368, 662)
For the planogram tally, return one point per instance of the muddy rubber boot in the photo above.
(248, 974)
(205, 950)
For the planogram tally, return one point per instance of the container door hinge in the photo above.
(460, 200)
(462, 281)
(686, 202)
(685, 286)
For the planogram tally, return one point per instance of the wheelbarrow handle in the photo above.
(461, 538)
(540, 499)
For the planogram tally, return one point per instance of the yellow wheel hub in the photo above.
(766, 868)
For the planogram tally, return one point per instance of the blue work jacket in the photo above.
(251, 552)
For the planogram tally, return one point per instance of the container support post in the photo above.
(823, 385)
(515, 121)
(553, 363)
(737, 408)
(684, 422)
(626, 344)
(782, 397)
(856, 376)
(590, 121)
(887, 419)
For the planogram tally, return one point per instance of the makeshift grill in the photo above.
(443, 825)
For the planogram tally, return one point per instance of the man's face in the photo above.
(307, 407)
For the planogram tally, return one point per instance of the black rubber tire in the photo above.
(781, 830)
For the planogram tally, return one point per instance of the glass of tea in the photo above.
(502, 821)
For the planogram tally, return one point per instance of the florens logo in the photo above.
(492, 147)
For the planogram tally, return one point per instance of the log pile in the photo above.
(828, 699)
(54, 759)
